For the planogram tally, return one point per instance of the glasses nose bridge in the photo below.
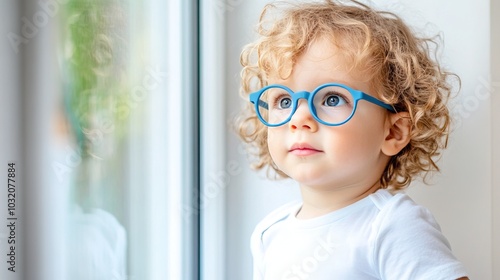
(297, 96)
(301, 95)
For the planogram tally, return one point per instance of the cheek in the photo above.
(277, 147)
(273, 141)
(361, 137)
(370, 120)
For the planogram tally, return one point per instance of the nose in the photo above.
(302, 118)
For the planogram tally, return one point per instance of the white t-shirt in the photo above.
(382, 236)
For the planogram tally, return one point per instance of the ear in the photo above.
(397, 135)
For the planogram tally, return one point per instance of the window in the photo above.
(114, 162)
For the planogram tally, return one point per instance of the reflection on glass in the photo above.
(95, 62)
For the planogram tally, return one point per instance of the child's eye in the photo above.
(334, 100)
(280, 100)
(284, 102)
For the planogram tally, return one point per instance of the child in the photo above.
(346, 101)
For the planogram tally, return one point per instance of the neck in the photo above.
(317, 202)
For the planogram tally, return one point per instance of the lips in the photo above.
(303, 149)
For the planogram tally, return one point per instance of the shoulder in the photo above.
(271, 219)
(257, 238)
(406, 235)
(405, 221)
(383, 199)
(276, 216)
(399, 208)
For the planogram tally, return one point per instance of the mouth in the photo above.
(303, 149)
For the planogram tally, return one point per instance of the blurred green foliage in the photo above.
(95, 63)
(95, 59)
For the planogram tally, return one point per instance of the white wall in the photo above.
(461, 195)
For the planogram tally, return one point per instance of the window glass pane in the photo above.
(124, 64)
(106, 120)
(95, 62)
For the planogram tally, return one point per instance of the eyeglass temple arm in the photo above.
(263, 104)
(374, 100)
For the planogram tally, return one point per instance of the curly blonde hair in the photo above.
(398, 64)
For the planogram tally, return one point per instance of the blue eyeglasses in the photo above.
(330, 104)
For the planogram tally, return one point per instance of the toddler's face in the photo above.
(322, 156)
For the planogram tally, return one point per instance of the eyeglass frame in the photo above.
(309, 96)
